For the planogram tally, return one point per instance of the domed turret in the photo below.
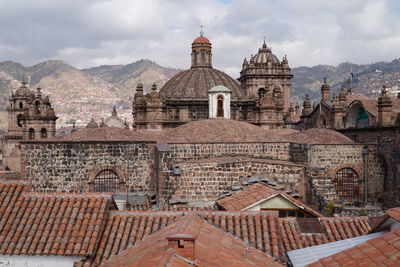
(201, 52)
(265, 56)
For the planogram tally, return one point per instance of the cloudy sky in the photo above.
(89, 33)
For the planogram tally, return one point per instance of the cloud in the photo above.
(94, 32)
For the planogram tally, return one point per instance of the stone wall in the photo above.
(326, 160)
(206, 180)
(72, 166)
(387, 140)
(279, 151)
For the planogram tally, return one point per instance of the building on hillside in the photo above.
(262, 97)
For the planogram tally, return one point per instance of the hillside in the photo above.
(126, 77)
(308, 80)
(79, 95)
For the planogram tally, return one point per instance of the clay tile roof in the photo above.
(394, 213)
(213, 247)
(125, 229)
(219, 131)
(39, 224)
(275, 236)
(317, 136)
(201, 40)
(254, 193)
(380, 251)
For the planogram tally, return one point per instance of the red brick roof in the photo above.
(380, 251)
(41, 224)
(394, 213)
(257, 192)
(213, 247)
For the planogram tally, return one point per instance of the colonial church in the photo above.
(261, 97)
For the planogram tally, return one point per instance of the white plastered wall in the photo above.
(213, 104)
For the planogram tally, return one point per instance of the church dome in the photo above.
(264, 56)
(195, 83)
(24, 91)
(201, 40)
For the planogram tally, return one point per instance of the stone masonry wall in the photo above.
(206, 181)
(70, 167)
(278, 151)
(387, 140)
(328, 159)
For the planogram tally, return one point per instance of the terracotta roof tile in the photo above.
(213, 247)
(254, 193)
(394, 213)
(380, 251)
(41, 224)
(276, 236)
(124, 229)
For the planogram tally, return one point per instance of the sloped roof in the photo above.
(368, 103)
(124, 229)
(380, 251)
(219, 131)
(49, 224)
(255, 193)
(213, 247)
(394, 213)
(275, 235)
(318, 136)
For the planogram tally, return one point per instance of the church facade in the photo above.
(261, 95)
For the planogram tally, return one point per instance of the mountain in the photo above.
(79, 95)
(368, 77)
(126, 77)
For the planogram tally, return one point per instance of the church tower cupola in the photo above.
(201, 52)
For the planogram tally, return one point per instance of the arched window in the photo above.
(20, 120)
(31, 133)
(194, 57)
(21, 105)
(220, 106)
(347, 184)
(43, 133)
(203, 57)
(37, 107)
(106, 181)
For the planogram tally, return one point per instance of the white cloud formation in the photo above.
(93, 32)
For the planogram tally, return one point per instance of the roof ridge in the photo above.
(239, 238)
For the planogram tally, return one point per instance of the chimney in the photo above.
(183, 244)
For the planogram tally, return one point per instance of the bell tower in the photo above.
(201, 52)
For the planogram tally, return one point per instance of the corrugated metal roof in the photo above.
(305, 256)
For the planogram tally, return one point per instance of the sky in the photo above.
(87, 33)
